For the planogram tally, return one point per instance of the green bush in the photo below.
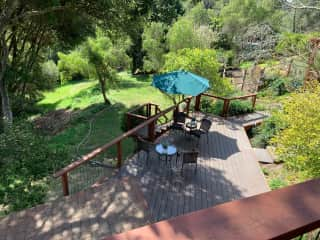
(263, 134)
(277, 183)
(237, 107)
(26, 161)
(298, 144)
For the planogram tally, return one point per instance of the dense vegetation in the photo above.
(77, 55)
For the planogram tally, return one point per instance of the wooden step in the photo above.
(263, 156)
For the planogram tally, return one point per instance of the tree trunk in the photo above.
(102, 82)
(5, 101)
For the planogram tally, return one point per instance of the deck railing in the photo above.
(226, 101)
(150, 123)
(278, 215)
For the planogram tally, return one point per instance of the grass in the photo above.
(92, 116)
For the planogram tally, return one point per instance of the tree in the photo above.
(192, 30)
(202, 62)
(154, 44)
(105, 57)
(166, 11)
(27, 27)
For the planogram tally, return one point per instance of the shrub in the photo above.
(26, 160)
(73, 66)
(263, 134)
(277, 183)
(298, 144)
(50, 73)
(237, 107)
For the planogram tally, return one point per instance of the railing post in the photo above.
(197, 104)
(254, 99)
(128, 122)
(226, 105)
(188, 105)
(151, 131)
(119, 154)
(65, 184)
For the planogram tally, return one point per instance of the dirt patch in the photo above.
(54, 122)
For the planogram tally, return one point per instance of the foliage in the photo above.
(292, 44)
(73, 66)
(277, 183)
(166, 11)
(50, 73)
(263, 134)
(26, 161)
(236, 107)
(202, 62)
(155, 46)
(192, 30)
(298, 144)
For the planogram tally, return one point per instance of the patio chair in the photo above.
(204, 129)
(179, 121)
(189, 158)
(146, 146)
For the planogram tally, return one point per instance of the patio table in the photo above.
(168, 151)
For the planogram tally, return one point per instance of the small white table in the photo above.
(168, 151)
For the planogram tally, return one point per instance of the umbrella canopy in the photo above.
(181, 82)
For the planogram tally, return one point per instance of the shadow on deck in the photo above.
(227, 170)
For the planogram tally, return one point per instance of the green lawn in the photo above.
(85, 98)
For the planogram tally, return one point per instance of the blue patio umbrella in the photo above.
(181, 82)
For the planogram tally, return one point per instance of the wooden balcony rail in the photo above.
(226, 101)
(278, 215)
(149, 122)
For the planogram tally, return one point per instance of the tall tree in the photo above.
(26, 25)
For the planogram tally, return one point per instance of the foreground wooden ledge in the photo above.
(281, 214)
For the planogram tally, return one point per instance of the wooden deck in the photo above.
(227, 170)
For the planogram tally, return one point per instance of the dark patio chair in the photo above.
(179, 121)
(146, 146)
(204, 129)
(189, 158)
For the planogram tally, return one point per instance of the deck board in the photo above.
(227, 170)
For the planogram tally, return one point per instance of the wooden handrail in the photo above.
(230, 98)
(137, 116)
(278, 215)
(226, 101)
(103, 148)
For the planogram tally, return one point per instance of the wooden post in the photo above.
(128, 122)
(119, 154)
(244, 79)
(188, 106)
(225, 110)
(151, 131)
(254, 99)
(197, 104)
(65, 184)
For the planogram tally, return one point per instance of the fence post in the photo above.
(197, 103)
(151, 131)
(119, 154)
(254, 99)
(65, 184)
